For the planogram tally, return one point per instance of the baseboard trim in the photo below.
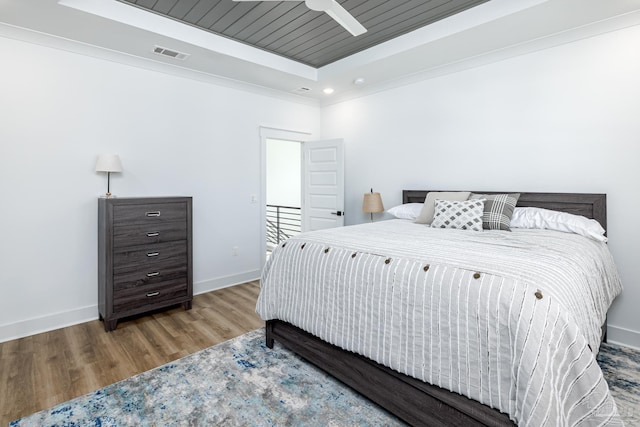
(50, 322)
(624, 337)
(225, 282)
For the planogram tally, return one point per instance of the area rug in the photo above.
(621, 368)
(237, 383)
(243, 383)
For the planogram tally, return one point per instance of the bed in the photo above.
(392, 381)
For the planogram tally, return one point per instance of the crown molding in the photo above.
(92, 51)
(583, 32)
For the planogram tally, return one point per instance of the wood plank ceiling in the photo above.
(290, 29)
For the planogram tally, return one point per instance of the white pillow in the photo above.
(406, 211)
(559, 221)
(428, 209)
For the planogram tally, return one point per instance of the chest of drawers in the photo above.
(144, 256)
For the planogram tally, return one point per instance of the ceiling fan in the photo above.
(334, 10)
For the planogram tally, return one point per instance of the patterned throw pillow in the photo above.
(465, 215)
(498, 209)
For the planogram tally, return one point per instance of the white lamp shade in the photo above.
(108, 163)
(372, 203)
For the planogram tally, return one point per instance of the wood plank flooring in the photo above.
(42, 370)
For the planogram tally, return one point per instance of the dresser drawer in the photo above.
(132, 235)
(148, 256)
(135, 298)
(149, 213)
(175, 272)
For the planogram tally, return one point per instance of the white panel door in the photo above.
(323, 184)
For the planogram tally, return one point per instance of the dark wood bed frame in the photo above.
(414, 401)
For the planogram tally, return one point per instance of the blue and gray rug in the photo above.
(242, 383)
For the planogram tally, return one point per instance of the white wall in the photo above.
(565, 119)
(284, 174)
(175, 136)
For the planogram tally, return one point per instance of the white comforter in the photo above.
(511, 320)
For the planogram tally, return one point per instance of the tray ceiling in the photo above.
(290, 29)
(494, 30)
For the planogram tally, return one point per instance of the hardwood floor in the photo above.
(42, 370)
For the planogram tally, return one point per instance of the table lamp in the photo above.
(108, 163)
(372, 203)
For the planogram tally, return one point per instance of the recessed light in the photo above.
(359, 81)
(328, 90)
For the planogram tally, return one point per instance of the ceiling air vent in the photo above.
(302, 90)
(170, 53)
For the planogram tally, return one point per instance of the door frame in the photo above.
(272, 133)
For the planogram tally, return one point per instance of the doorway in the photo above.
(318, 180)
(288, 136)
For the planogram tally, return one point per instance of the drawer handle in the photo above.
(156, 213)
(153, 294)
(153, 234)
(154, 274)
(150, 254)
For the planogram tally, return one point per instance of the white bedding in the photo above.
(490, 338)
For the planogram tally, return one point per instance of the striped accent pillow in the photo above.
(463, 215)
(498, 209)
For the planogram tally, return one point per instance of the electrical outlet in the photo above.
(235, 250)
(253, 198)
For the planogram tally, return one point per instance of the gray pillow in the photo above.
(428, 209)
(498, 209)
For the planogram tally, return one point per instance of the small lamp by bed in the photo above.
(108, 163)
(372, 203)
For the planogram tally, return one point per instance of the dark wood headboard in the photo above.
(586, 204)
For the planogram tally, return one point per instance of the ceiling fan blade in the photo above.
(344, 18)
(334, 10)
